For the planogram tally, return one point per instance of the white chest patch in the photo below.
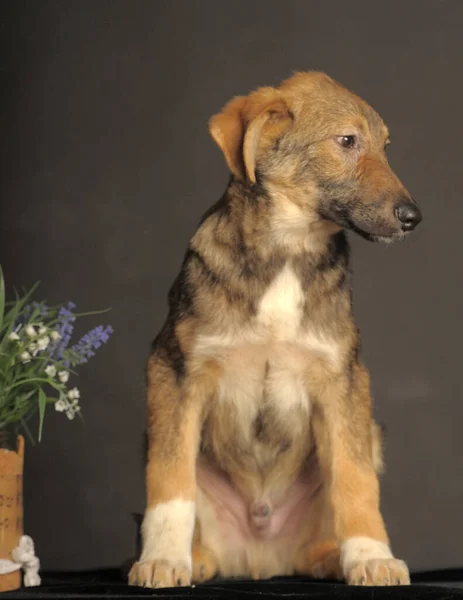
(280, 309)
(275, 334)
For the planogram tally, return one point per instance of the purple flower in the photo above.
(65, 327)
(91, 341)
(43, 309)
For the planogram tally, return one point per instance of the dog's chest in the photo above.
(263, 407)
(280, 309)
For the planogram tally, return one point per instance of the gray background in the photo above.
(106, 167)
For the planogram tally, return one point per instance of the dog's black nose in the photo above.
(408, 214)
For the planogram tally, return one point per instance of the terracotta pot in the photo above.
(11, 508)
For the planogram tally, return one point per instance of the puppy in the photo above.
(263, 456)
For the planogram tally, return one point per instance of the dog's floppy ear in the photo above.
(244, 124)
(227, 129)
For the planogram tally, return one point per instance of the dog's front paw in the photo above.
(378, 571)
(160, 574)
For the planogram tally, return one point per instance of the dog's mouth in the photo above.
(373, 230)
(382, 238)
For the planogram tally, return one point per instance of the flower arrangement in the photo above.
(37, 359)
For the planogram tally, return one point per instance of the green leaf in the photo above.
(2, 297)
(93, 312)
(16, 308)
(28, 380)
(42, 405)
(27, 395)
(28, 431)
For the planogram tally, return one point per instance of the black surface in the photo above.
(437, 585)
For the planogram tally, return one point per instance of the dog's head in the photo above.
(324, 148)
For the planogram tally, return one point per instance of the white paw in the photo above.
(366, 561)
(378, 571)
(166, 557)
(160, 574)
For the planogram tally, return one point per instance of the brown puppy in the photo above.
(263, 455)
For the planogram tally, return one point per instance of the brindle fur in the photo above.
(292, 193)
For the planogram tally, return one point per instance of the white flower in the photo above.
(25, 357)
(42, 329)
(33, 348)
(43, 342)
(63, 376)
(30, 330)
(55, 336)
(70, 413)
(13, 337)
(50, 370)
(61, 405)
(74, 394)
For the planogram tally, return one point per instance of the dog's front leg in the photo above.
(342, 427)
(174, 423)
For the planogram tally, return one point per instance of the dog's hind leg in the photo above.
(205, 566)
(205, 563)
(320, 560)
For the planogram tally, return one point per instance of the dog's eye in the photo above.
(347, 141)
